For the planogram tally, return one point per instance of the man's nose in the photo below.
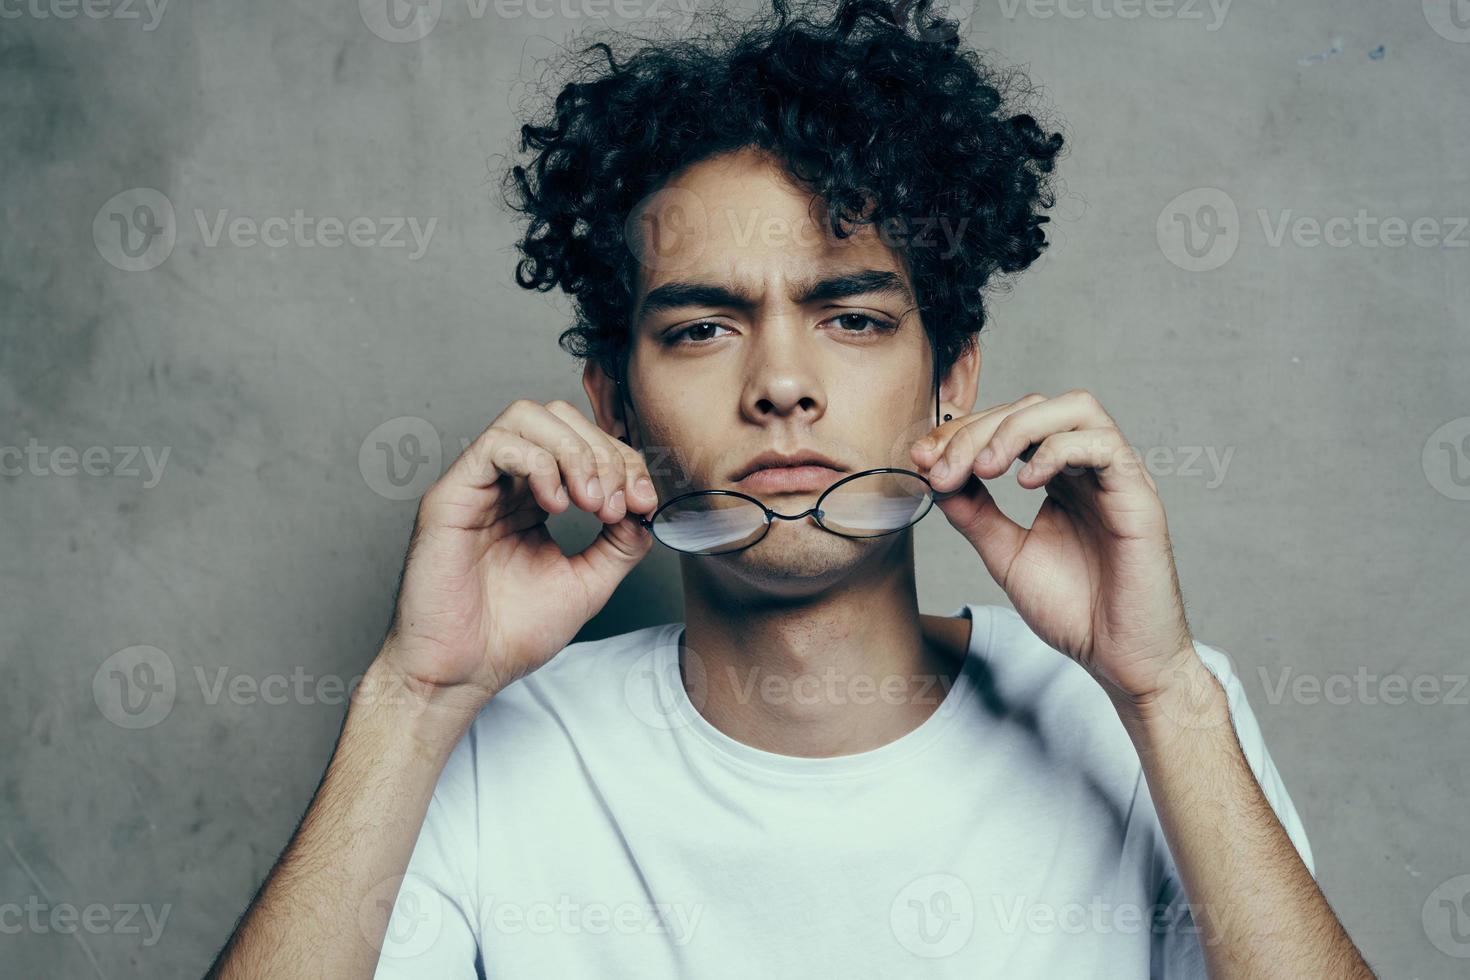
(784, 377)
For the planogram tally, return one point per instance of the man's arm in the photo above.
(1094, 577)
(487, 597)
(1257, 907)
(324, 908)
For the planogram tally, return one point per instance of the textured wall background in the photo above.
(1304, 401)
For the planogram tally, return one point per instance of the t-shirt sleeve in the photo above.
(432, 932)
(1177, 954)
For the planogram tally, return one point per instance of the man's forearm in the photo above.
(1258, 910)
(323, 910)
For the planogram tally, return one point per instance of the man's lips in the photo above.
(789, 479)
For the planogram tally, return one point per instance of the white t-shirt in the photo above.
(592, 823)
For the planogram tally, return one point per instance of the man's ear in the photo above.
(602, 392)
(961, 384)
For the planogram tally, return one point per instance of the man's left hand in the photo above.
(1094, 575)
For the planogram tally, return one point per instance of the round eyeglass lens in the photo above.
(709, 523)
(876, 504)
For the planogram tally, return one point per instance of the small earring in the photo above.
(624, 440)
(947, 416)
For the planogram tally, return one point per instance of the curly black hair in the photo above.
(879, 110)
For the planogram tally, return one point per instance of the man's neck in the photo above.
(845, 671)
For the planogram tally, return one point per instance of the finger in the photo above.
(456, 500)
(604, 563)
(997, 538)
(581, 471)
(1077, 409)
(927, 451)
(956, 459)
(642, 497)
(1103, 452)
(474, 466)
(612, 465)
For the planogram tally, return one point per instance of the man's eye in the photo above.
(673, 339)
(862, 319)
(698, 334)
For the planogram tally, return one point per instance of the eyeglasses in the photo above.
(869, 504)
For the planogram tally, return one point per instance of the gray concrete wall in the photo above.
(1305, 404)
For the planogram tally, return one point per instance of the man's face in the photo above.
(756, 330)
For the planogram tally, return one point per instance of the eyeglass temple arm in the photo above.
(934, 338)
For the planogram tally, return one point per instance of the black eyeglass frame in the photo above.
(815, 511)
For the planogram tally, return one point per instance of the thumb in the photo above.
(975, 514)
(616, 551)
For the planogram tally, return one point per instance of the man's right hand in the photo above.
(487, 596)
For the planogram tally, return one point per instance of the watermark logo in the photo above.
(401, 458)
(1446, 917)
(1199, 230)
(958, 13)
(665, 230)
(1194, 698)
(138, 687)
(655, 700)
(401, 917)
(933, 916)
(400, 21)
(135, 688)
(1450, 19)
(134, 230)
(1446, 459)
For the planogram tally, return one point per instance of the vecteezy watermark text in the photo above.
(1201, 229)
(136, 688)
(406, 21)
(136, 230)
(1184, 10)
(301, 230)
(90, 9)
(35, 459)
(41, 916)
(1365, 686)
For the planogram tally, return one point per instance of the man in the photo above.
(807, 776)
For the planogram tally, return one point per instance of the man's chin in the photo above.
(800, 562)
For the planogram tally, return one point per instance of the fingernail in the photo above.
(561, 495)
(941, 469)
(986, 455)
(645, 487)
(594, 487)
(618, 499)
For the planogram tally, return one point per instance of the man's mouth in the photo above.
(789, 479)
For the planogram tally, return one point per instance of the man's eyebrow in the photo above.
(866, 282)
